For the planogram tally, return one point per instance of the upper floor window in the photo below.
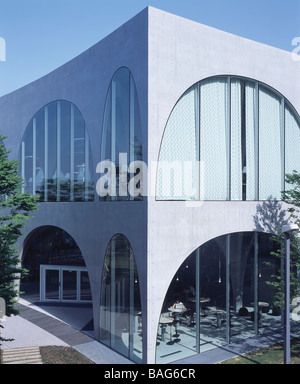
(55, 155)
(122, 137)
(228, 138)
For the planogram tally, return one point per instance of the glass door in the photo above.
(64, 284)
(85, 288)
(69, 285)
(52, 285)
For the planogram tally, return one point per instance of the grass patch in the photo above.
(269, 355)
(62, 355)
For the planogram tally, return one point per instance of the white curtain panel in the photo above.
(177, 173)
(213, 144)
(292, 144)
(236, 140)
(270, 176)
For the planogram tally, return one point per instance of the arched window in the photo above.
(228, 138)
(120, 303)
(55, 155)
(56, 267)
(122, 137)
(222, 293)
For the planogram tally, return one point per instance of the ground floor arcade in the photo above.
(222, 293)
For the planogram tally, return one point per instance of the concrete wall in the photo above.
(166, 54)
(84, 81)
(181, 53)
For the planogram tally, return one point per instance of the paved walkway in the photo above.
(34, 328)
(57, 328)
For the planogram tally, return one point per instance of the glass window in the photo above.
(213, 140)
(251, 140)
(178, 153)
(121, 134)
(51, 152)
(27, 159)
(221, 293)
(39, 156)
(270, 176)
(64, 145)
(292, 139)
(79, 163)
(120, 304)
(120, 112)
(49, 246)
(241, 297)
(244, 134)
(55, 155)
(237, 140)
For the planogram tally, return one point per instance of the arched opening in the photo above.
(122, 138)
(56, 268)
(222, 293)
(120, 302)
(228, 138)
(55, 155)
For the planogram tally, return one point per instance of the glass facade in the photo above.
(120, 303)
(55, 155)
(121, 137)
(228, 138)
(220, 294)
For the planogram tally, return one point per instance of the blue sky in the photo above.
(41, 35)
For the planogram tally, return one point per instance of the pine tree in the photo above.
(15, 209)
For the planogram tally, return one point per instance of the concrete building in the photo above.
(215, 118)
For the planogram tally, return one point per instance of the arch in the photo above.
(55, 155)
(223, 295)
(122, 135)
(228, 138)
(50, 248)
(120, 301)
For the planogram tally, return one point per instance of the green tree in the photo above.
(291, 215)
(15, 209)
(277, 282)
(292, 195)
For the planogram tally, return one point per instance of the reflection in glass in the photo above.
(55, 155)
(85, 287)
(220, 294)
(243, 247)
(69, 285)
(52, 285)
(122, 131)
(120, 304)
(212, 284)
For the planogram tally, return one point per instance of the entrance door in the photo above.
(64, 284)
(52, 284)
